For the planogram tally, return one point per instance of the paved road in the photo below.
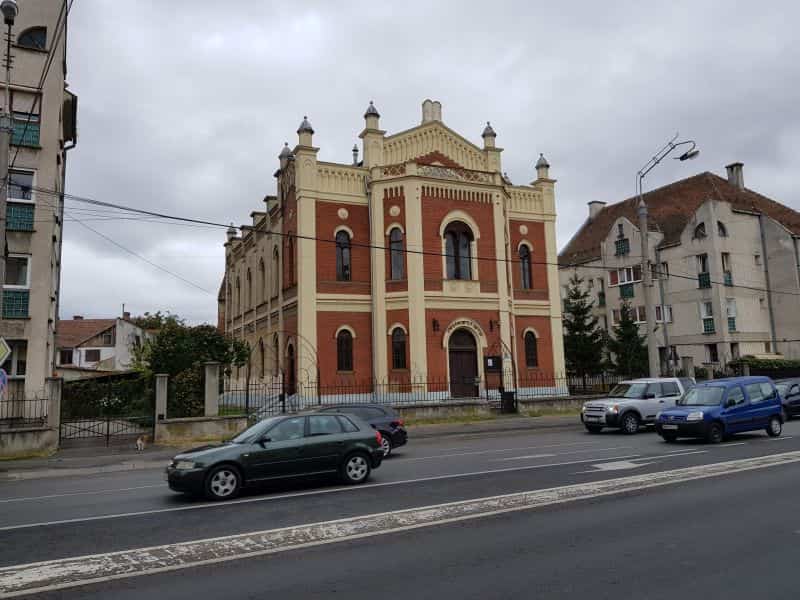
(711, 527)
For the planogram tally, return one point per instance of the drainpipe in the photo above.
(661, 300)
(766, 278)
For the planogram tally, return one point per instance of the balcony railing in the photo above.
(15, 304)
(622, 247)
(731, 324)
(626, 290)
(704, 280)
(19, 216)
(728, 278)
(708, 325)
(25, 133)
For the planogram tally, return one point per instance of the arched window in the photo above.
(343, 266)
(289, 281)
(238, 294)
(263, 367)
(525, 267)
(35, 38)
(531, 350)
(249, 282)
(276, 355)
(262, 282)
(700, 231)
(398, 348)
(344, 351)
(458, 247)
(276, 266)
(722, 231)
(396, 253)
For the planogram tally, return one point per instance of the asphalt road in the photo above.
(689, 538)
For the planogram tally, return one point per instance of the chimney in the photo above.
(431, 111)
(77, 317)
(736, 175)
(595, 206)
(126, 315)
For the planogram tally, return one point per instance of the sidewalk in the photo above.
(72, 462)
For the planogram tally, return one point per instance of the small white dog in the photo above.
(140, 443)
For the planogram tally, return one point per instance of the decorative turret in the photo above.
(286, 155)
(373, 138)
(304, 132)
(231, 232)
(371, 115)
(542, 168)
(488, 136)
(355, 154)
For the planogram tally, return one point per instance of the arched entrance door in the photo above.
(463, 357)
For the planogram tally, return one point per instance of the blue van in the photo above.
(715, 409)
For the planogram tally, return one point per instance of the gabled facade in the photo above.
(726, 258)
(414, 264)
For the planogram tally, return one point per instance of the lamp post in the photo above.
(10, 11)
(652, 347)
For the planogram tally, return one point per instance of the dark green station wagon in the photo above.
(278, 448)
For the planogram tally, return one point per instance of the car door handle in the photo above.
(661, 402)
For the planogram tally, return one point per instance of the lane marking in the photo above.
(617, 465)
(71, 572)
(780, 439)
(88, 492)
(729, 444)
(562, 453)
(680, 450)
(529, 456)
(493, 451)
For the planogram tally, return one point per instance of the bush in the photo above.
(700, 373)
(187, 395)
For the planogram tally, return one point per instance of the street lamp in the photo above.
(652, 349)
(10, 10)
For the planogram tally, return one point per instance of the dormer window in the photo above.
(34, 38)
(700, 231)
(620, 231)
(722, 231)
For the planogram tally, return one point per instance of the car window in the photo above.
(368, 413)
(755, 392)
(670, 388)
(323, 425)
(347, 425)
(290, 429)
(795, 389)
(687, 383)
(655, 389)
(767, 391)
(736, 395)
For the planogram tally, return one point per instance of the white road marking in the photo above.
(493, 451)
(779, 439)
(88, 492)
(681, 450)
(729, 444)
(530, 456)
(70, 572)
(617, 465)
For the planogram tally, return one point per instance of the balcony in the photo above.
(601, 299)
(25, 133)
(704, 280)
(19, 216)
(708, 325)
(626, 290)
(731, 324)
(728, 278)
(15, 304)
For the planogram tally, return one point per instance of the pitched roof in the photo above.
(670, 209)
(72, 332)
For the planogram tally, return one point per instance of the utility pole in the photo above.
(662, 301)
(10, 10)
(647, 281)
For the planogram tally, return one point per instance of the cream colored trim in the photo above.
(532, 217)
(533, 331)
(525, 243)
(532, 311)
(418, 351)
(341, 297)
(464, 323)
(339, 306)
(345, 328)
(392, 226)
(355, 199)
(459, 215)
(343, 228)
(453, 303)
(397, 303)
(394, 326)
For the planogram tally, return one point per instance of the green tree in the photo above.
(627, 347)
(584, 341)
(156, 320)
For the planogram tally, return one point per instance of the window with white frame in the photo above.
(615, 316)
(730, 309)
(626, 275)
(17, 364)
(702, 263)
(20, 187)
(18, 275)
(641, 314)
(664, 314)
(707, 316)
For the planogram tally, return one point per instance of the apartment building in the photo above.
(44, 121)
(725, 261)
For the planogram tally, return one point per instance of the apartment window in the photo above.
(703, 276)
(707, 316)
(641, 314)
(726, 269)
(343, 266)
(262, 280)
(17, 271)
(275, 275)
(249, 282)
(525, 267)
(663, 314)
(398, 348)
(108, 338)
(700, 231)
(620, 230)
(730, 310)
(458, 248)
(92, 355)
(65, 357)
(735, 350)
(26, 128)
(20, 186)
(626, 291)
(757, 259)
(712, 355)
(16, 291)
(613, 278)
(344, 351)
(17, 364)
(626, 275)
(722, 231)
(531, 350)
(20, 216)
(622, 247)
(34, 38)
(615, 316)
(396, 253)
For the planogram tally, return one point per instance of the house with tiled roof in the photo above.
(91, 347)
(725, 262)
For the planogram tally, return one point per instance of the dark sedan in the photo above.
(279, 448)
(789, 390)
(381, 417)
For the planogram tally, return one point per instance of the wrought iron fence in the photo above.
(23, 412)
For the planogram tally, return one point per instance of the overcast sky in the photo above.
(185, 105)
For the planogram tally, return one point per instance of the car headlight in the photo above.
(658, 415)
(583, 408)
(185, 465)
(695, 416)
(613, 409)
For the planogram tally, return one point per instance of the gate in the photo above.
(105, 411)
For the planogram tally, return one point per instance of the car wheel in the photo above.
(669, 437)
(630, 423)
(594, 428)
(386, 445)
(223, 483)
(715, 433)
(775, 426)
(355, 468)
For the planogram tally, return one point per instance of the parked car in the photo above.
(383, 418)
(719, 408)
(633, 403)
(277, 448)
(789, 389)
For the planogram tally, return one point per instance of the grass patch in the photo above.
(451, 420)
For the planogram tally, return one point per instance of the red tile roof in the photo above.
(670, 208)
(72, 332)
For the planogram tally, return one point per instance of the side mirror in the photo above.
(263, 441)
(649, 396)
(730, 402)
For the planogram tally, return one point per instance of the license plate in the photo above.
(591, 418)
(669, 427)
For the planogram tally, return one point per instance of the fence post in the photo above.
(162, 381)
(746, 370)
(54, 388)
(212, 389)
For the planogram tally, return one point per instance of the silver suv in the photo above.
(634, 403)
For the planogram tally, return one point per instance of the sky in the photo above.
(185, 105)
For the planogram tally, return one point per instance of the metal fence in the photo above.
(260, 400)
(23, 412)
